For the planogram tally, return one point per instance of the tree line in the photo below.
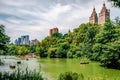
(93, 41)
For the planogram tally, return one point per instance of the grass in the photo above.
(21, 75)
(1, 62)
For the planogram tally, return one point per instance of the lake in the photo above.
(51, 68)
(31, 64)
(91, 71)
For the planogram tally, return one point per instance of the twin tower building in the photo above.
(101, 18)
(94, 18)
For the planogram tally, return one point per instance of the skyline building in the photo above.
(23, 40)
(103, 15)
(34, 42)
(53, 30)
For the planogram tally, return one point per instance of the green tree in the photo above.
(117, 22)
(74, 52)
(12, 49)
(106, 48)
(3, 39)
(58, 35)
(41, 51)
(22, 50)
(52, 52)
(32, 48)
(116, 3)
(63, 49)
(70, 76)
(89, 40)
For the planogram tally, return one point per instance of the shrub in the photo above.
(70, 76)
(21, 75)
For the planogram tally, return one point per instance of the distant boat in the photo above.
(84, 62)
(18, 62)
(27, 59)
(12, 66)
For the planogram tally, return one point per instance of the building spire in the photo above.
(69, 31)
(94, 9)
(104, 4)
(93, 18)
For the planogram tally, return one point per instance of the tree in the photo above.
(3, 39)
(70, 76)
(116, 3)
(74, 52)
(62, 50)
(58, 35)
(12, 49)
(32, 48)
(41, 51)
(22, 50)
(106, 48)
(117, 22)
(52, 52)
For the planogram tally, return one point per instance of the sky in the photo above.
(36, 17)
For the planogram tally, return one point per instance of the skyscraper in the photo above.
(103, 15)
(93, 18)
(23, 40)
(54, 30)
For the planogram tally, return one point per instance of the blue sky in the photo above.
(36, 17)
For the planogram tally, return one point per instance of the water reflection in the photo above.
(31, 64)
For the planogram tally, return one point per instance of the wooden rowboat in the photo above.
(84, 62)
(12, 66)
(18, 62)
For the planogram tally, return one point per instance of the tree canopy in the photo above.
(93, 41)
(3, 39)
(116, 3)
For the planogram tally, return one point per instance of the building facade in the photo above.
(23, 40)
(34, 42)
(93, 18)
(103, 15)
(54, 30)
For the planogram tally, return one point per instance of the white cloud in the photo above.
(56, 11)
(36, 17)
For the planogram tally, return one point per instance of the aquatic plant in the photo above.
(21, 75)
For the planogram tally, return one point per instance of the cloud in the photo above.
(56, 11)
(36, 17)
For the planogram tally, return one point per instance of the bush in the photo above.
(21, 75)
(70, 76)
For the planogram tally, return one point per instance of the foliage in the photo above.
(106, 48)
(1, 62)
(21, 75)
(12, 49)
(70, 76)
(89, 39)
(58, 35)
(18, 50)
(93, 41)
(116, 3)
(3, 39)
(22, 50)
(52, 52)
(74, 52)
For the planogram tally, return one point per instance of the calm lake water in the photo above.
(31, 64)
(91, 71)
(51, 68)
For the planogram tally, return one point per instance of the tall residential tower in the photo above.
(93, 18)
(103, 15)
